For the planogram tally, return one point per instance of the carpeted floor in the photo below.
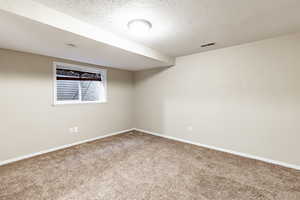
(136, 166)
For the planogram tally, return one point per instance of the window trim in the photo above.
(80, 68)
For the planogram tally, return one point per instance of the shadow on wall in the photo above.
(149, 106)
(244, 98)
(31, 122)
(36, 68)
(25, 66)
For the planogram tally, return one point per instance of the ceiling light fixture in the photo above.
(139, 27)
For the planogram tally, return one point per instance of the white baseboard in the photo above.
(224, 150)
(5, 162)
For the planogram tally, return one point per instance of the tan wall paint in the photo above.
(29, 122)
(244, 98)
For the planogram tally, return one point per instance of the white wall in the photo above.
(244, 98)
(28, 121)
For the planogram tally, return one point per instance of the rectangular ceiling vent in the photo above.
(208, 44)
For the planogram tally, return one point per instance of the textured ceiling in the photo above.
(17, 34)
(181, 26)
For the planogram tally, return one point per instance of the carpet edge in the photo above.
(27, 156)
(245, 155)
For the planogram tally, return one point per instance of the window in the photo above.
(78, 84)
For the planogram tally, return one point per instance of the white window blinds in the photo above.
(76, 85)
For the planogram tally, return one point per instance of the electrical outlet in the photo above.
(76, 129)
(189, 128)
(71, 130)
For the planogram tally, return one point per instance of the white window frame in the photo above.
(103, 73)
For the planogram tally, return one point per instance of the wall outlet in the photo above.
(71, 130)
(74, 129)
(189, 128)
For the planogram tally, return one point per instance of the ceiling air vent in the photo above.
(71, 45)
(208, 44)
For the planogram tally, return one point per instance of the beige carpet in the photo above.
(136, 166)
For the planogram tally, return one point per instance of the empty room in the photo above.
(149, 100)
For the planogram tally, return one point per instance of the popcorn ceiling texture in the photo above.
(180, 27)
(100, 11)
(138, 166)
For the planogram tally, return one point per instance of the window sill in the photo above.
(76, 103)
